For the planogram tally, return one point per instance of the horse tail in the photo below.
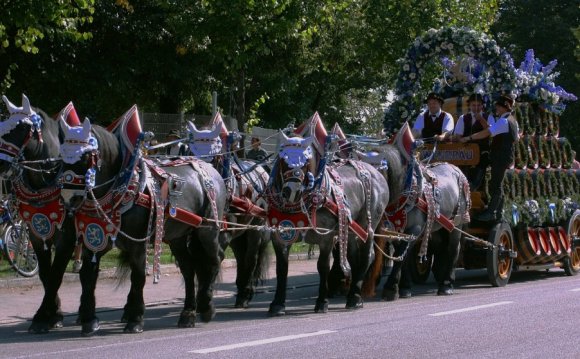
(263, 263)
(370, 281)
(123, 272)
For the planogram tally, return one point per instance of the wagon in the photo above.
(540, 225)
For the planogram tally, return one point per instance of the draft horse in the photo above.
(431, 203)
(119, 198)
(339, 203)
(245, 210)
(29, 148)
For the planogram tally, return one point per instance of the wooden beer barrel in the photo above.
(555, 244)
(545, 247)
(528, 246)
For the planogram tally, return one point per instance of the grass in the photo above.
(110, 260)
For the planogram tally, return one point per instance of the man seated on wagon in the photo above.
(468, 124)
(434, 123)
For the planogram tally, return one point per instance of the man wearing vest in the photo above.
(504, 133)
(474, 121)
(433, 123)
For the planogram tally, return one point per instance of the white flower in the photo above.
(412, 76)
(406, 67)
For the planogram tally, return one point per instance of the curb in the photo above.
(110, 273)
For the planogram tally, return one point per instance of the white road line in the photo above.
(575, 290)
(261, 342)
(468, 309)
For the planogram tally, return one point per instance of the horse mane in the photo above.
(395, 172)
(109, 150)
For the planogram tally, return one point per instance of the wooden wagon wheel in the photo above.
(499, 262)
(572, 260)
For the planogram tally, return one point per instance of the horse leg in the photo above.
(89, 274)
(391, 288)
(278, 305)
(184, 260)
(358, 254)
(444, 261)
(135, 306)
(207, 266)
(323, 266)
(51, 272)
(336, 279)
(242, 252)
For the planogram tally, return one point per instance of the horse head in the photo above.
(80, 156)
(204, 144)
(294, 159)
(22, 125)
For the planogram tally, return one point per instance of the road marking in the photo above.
(469, 309)
(261, 342)
(575, 290)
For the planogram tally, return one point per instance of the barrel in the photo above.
(545, 247)
(528, 246)
(565, 243)
(456, 106)
(555, 244)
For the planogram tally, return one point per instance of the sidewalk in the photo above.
(22, 296)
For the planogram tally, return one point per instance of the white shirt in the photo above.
(447, 122)
(501, 125)
(460, 127)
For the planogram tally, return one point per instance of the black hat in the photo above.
(174, 133)
(434, 96)
(505, 101)
(475, 97)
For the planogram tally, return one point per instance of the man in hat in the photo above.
(504, 133)
(177, 148)
(468, 124)
(257, 153)
(433, 123)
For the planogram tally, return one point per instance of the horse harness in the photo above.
(423, 193)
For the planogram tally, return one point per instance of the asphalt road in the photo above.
(535, 316)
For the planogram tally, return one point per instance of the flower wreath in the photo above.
(499, 75)
(533, 156)
(555, 153)
(543, 151)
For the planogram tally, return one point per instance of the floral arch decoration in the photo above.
(497, 74)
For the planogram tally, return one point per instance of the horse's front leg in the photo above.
(135, 306)
(391, 289)
(323, 266)
(89, 274)
(445, 261)
(278, 305)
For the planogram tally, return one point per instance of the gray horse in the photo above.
(430, 202)
(116, 196)
(339, 203)
(245, 211)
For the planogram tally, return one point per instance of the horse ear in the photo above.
(86, 126)
(10, 105)
(65, 127)
(215, 131)
(26, 105)
(191, 127)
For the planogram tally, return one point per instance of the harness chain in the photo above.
(364, 176)
(343, 220)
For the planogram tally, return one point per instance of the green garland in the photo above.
(555, 130)
(555, 154)
(533, 157)
(543, 151)
(539, 184)
(566, 152)
(552, 184)
(521, 155)
(526, 183)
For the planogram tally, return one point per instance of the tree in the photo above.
(551, 35)
(24, 23)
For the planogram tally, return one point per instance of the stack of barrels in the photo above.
(541, 187)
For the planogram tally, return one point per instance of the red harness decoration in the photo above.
(287, 222)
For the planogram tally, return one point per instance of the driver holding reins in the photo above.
(434, 123)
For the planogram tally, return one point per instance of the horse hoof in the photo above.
(125, 318)
(405, 293)
(445, 291)
(354, 303)
(186, 319)
(277, 310)
(208, 315)
(90, 328)
(390, 295)
(38, 328)
(321, 307)
(56, 322)
(134, 327)
(242, 303)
